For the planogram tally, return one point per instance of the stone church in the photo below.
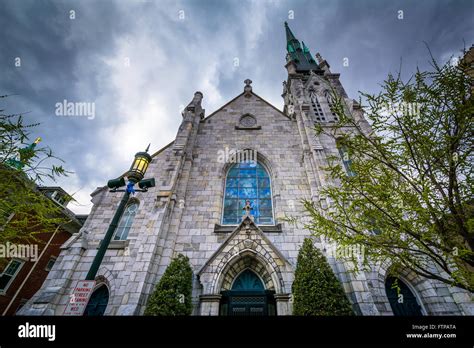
(243, 260)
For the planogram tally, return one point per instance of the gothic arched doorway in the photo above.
(97, 302)
(247, 297)
(401, 298)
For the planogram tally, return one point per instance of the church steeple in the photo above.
(292, 44)
(299, 57)
(307, 54)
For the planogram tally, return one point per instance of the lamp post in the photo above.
(134, 175)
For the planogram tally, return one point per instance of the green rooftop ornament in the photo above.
(24, 155)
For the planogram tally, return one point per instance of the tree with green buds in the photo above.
(410, 199)
(24, 211)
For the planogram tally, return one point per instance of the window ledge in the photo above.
(116, 244)
(230, 228)
(248, 128)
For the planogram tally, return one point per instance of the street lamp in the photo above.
(134, 175)
(139, 166)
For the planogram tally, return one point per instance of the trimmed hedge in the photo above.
(172, 294)
(316, 290)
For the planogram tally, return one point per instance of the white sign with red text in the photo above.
(79, 297)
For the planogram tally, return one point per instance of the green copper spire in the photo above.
(307, 54)
(292, 44)
(300, 56)
(305, 49)
(289, 35)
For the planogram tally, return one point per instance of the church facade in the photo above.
(223, 189)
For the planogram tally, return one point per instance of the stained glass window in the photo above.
(346, 160)
(126, 221)
(247, 280)
(248, 181)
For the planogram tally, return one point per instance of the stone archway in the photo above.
(402, 299)
(246, 247)
(248, 258)
(98, 302)
(246, 262)
(247, 288)
(419, 287)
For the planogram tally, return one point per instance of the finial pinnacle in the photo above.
(148, 147)
(248, 88)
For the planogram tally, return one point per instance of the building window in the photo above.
(9, 274)
(247, 181)
(98, 302)
(50, 264)
(403, 301)
(331, 105)
(317, 110)
(58, 197)
(248, 121)
(374, 229)
(126, 221)
(346, 160)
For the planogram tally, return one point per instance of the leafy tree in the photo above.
(404, 192)
(316, 290)
(17, 151)
(172, 294)
(25, 212)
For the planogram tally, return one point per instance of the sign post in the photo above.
(79, 298)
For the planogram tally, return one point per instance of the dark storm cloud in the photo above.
(52, 48)
(141, 61)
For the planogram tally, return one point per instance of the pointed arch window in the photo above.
(248, 280)
(330, 101)
(402, 299)
(98, 302)
(345, 157)
(247, 181)
(126, 221)
(317, 109)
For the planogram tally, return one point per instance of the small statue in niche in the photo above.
(247, 208)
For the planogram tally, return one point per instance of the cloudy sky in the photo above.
(140, 62)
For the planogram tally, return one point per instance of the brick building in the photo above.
(24, 273)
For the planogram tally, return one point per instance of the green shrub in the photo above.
(316, 290)
(172, 294)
